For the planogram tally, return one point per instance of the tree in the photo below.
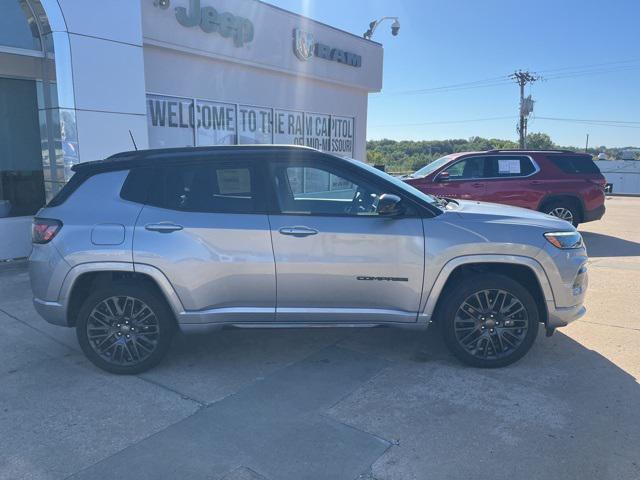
(410, 155)
(539, 141)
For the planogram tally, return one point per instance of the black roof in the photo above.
(137, 158)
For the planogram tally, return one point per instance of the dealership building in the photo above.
(83, 79)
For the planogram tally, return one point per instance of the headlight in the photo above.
(564, 240)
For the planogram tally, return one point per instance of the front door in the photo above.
(205, 228)
(337, 260)
(465, 180)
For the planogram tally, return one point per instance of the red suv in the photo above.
(562, 183)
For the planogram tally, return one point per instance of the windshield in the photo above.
(427, 169)
(397, 182)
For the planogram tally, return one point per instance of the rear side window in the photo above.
(207, 187)
(504, 166)
(575, 163)
(71, 186)
(136, 186)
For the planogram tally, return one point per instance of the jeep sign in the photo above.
(211, 21)
(305, 46)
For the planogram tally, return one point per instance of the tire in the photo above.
(130, 325)
(476, 338)
(564, 209)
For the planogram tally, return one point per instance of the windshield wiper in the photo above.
(444, 201)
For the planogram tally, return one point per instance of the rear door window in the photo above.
(504, 166)
(208, 187)
(575, 163)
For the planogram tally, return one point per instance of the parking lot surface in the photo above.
(335, 403)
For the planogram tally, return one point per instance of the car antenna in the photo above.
(133, 140)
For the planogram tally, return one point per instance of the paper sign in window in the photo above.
(232, 181)
(508, 167)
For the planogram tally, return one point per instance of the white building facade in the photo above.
(623, 175)
(83, 79)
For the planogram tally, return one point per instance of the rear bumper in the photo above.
(52, 312)
(561, 317)
(595, 214)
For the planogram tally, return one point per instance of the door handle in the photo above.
(298, 231)
(477, 185)
(163, 227)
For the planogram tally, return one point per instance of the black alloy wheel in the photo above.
(489, 320)
(125, 328)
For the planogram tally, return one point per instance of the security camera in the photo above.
(395, 28)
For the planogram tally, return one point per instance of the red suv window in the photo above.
(468, 168)
(575, 163)
(509, 166)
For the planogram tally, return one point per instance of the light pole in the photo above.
(395, 27)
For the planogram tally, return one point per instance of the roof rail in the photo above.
(550, 150)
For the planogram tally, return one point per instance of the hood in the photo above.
(474, 211)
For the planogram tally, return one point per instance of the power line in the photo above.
(584, 73)
(586, 121)
(489, 82)
(549, 74)
(591, 65)
(633, 122)
(446, 122)
(594, 122)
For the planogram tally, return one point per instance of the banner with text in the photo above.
(179, 122)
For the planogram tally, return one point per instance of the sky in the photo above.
(588, 51)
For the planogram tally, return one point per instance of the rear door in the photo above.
(337, 260)
(512, 180)
(205, 227)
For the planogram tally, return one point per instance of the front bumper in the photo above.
(52, 312)
(561, 317)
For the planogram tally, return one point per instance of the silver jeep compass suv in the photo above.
(147, 242)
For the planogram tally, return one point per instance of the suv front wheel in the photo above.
(489, 320)
(125, 328)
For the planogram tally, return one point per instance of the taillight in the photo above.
(44, 229)
(600, 182)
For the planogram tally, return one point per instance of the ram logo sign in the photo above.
(305, 46)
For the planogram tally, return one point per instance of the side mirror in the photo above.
(389, 205)
(442, 177)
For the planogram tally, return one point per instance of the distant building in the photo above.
(623, 175)
(629, 154)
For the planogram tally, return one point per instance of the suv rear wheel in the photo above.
(125, 328)
(489, 320)
(564, 209)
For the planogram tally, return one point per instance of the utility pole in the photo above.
(586, 147)
(526, 104)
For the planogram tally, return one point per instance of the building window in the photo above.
(21, 177)
(14, 30)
